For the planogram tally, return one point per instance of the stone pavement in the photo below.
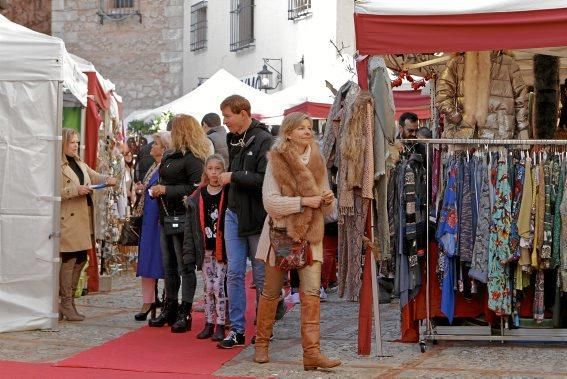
(110, 315)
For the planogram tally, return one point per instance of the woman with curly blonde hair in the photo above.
(179, 175)
(190, 136)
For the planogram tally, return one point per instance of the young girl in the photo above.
(203, 244)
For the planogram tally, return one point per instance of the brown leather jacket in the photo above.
(507, 103)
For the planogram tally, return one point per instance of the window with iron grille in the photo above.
(298, 8)
(118, 10)
(123, 4)
(199, 26)
(241, 24)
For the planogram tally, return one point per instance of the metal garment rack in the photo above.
(479, 333)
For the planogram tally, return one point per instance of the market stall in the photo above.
(424, 35)
(101, 138)
(36, 69)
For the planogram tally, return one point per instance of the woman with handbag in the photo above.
(150, 266)
(76, 221)
(179, 175)
(297, 197)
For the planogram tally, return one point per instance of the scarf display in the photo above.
(349, 147)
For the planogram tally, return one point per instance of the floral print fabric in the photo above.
(499, 294)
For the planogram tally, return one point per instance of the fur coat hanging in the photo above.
(483, 94)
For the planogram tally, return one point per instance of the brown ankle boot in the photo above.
(310, 335)
(66, 309)
(264, 326)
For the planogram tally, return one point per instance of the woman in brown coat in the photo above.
(296, 196)
(76, 221)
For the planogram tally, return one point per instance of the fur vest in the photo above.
(297, 179)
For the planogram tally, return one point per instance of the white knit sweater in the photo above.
(279, 207)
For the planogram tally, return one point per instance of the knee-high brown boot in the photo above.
(66, 309)
(264, 326)
(310, 335)
(77, 269)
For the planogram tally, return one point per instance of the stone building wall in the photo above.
(33, 14)
(143, 60)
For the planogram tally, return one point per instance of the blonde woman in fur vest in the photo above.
(296, 196)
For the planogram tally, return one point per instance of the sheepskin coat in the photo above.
(76, 215)
(289, 177)
(483, 92)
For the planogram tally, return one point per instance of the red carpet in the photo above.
(157, 350)
(47, 371)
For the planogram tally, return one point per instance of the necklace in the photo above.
(213, 190)
(240, 141)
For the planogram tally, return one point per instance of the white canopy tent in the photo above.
(207, 98)
(35, 68)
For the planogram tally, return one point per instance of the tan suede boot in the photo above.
(264, 326)
(77, 269)
(66, 309)
(310, 335)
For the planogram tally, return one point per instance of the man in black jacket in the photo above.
(248, 142)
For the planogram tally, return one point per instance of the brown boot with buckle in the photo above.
(310, 335)
(264, 326)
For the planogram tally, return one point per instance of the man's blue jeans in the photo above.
(238, 249)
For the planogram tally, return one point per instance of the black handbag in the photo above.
(130, 233)
(172, 224)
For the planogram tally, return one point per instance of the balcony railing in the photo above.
(118, 10)
(298, 8)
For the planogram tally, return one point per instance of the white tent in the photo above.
(34, 68)
(207, 98)
(28, 55)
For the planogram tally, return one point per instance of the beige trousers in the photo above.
(309, 280)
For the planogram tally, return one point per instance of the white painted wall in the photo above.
(276, 37)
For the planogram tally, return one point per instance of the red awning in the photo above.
(400, 34)
(412, 101)
(314, 110)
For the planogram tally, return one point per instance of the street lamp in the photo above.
(266, 77)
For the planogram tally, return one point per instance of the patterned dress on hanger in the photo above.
(499, 294)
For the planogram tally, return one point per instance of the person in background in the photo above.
(144, 159)
(204, 244)
(408, 123)
(211, 123)
(248, 143)
(297, 197)
(76, 221)
(150, 267)
(128, 177)
(179, 175)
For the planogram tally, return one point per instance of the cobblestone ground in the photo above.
(110, 315)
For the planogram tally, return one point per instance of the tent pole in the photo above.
(82, 133)
(53, 322)
(375, 292)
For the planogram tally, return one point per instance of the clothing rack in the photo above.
(479, 333)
